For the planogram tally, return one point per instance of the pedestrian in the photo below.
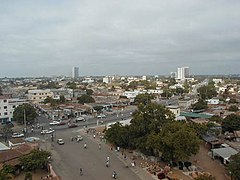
(108, 158)
(99, 146)
(94, 136)
(81, 172)
(118, 148)
(85, 146)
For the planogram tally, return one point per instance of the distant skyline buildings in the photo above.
(75, 72)
(183, 73)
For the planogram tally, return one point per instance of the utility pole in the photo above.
(25, 123)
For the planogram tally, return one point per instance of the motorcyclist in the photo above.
(114, 175)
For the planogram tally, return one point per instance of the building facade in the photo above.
(39, 95)
(75, 72)
(7, 107)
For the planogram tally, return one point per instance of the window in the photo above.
(13, 106)
(4, 100)
(5, 107)
(34, 93)
(5, 113)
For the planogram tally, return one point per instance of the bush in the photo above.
(28, 176)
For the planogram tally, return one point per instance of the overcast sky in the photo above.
(125, 37)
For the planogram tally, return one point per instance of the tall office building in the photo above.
(75, 72)
(183, 73)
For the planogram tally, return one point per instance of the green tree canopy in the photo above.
(49, 85)
(146, 120)
(35, 160)
(0, 90)
(72, 85)
(29, 110)
(98, 108)
(118, 135)
(233, 108)
(207, 92)
(231, 123)
(178, 141)
(143, 99)
(205, 177)
(200, 105)
(85, 99)
(7, 171)
(89, 92)
(234, 166)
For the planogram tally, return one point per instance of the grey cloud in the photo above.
(124, 37)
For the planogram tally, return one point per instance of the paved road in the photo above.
(68, 159)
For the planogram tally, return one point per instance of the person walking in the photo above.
(85, 146)
(99, 146)
(81, 172)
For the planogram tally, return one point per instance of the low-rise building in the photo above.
(39, 95)
(7, 106)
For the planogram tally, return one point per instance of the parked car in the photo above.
(53, 123)
(17, 135)
(72, 125)
(61, 123)
(101, 116)
(80, 119)
(47, 131)
(60, 141)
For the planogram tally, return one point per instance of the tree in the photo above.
(7, 172)
(35, 160)
(178, 141)
(234, 166)
(85, 99)
(216, 118)
(28, 176)
(143, 99)
(200, 105)
(89, 92)
(232, 101)
(233, 108)
(0, 90)
(118, 135)
(98, 108)
(62, 99)
(146, 120)
(231, 123)
(205, 177)
(72, 85)
(7, 131)
(207, 92)
(28, 110)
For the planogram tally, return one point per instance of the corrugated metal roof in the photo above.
(195, 115)
(225, 153)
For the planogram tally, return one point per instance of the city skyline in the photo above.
(48, 38)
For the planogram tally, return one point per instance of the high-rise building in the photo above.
(183, 73)
(75, 72)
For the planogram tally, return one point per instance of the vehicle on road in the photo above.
(60, 141)
(79, 138)
(47, 131)
(17, 135)
(72, 125)
(61, 123)
(53, 123)
(80, 119)
(101, 116)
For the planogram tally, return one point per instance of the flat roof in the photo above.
(3, 147)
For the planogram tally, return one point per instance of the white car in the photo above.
(60, 141)
(80, 119)
(17, 135)
(53, 123)
(46, 131)
(101, 116)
